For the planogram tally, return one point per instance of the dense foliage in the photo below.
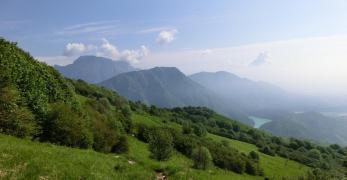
(37, 102)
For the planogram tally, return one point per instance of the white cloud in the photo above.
(133, 56)
(166, 36)
(73, 49)
(261, 59)
(106, 49)
(90, 27)
(154, 29)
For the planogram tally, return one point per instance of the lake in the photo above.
(259, 121)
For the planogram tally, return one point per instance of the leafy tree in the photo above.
(201, 157)
(160, 144)
(315, 154)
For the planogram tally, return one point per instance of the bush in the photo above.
(104, 137)
(122, 145)
(160, 144)
(15, 120)
(20, 123)
(201, 157)
(254, 156)
(267, 150)
(199, 130)
(187, 128)
(143, 132)
(315, 154)
(184, 144)
(66, 127)
(253, 168)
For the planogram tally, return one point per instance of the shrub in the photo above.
(199, 130)
(253, 168)
(104, 136)
(267, 150)
(66, 127)
(315, 154)
(143, 132)
(122, 145)
(254, 156)
(201, 157)
(184, 144)
(15, 119)
(187, 128)
(160, 144)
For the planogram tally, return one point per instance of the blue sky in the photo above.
(201, 24)
(161, 30)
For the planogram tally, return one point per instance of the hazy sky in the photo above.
(300, 45)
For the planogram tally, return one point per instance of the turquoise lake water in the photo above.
(259, 121)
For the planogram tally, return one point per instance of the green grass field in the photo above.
(25, 159)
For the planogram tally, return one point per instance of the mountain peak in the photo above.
(94, 69)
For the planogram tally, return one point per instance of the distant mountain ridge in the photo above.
(250, 95)
(169, 87)
(94, 69)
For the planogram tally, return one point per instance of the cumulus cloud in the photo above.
(73, 49)
(106, 49)
(261, 59)
(133, 56)
(166, 36)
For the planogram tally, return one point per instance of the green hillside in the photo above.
(24, 159)
(119, 139)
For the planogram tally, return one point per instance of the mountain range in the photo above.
(223, 92)
(169, 87)
(94, 69)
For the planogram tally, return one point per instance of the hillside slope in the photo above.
(169, 87)
(23, 159)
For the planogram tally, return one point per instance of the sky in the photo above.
(298, 45)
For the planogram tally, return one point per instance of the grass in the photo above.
(25, 159)
(274, 166)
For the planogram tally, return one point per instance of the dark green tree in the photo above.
(201, 157)
(160, 144)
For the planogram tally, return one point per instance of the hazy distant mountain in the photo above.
(249, 95)
(94, 69)
(168, 87)
(310, 125)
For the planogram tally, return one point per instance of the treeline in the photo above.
(203, 151)
(199, 120)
